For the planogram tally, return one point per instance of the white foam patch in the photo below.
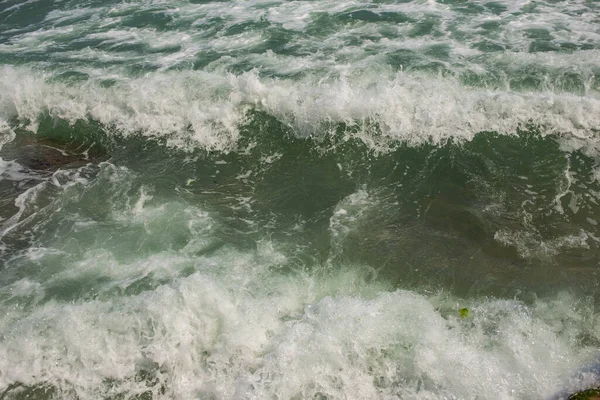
(13, 171)
(346, 215)
(23, 289)
(208, 108)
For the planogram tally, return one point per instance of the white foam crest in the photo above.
(187, 104)
(246, 332)
(416, 109)
(208, 108)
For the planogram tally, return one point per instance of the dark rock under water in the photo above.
(30, 159)
(590, 394)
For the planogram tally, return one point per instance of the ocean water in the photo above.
(266, 199)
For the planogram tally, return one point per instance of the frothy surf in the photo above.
(234, 329)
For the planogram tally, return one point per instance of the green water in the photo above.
(289, 200)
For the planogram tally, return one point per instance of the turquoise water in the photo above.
(295, 200)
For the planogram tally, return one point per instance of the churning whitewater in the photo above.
(299, 199)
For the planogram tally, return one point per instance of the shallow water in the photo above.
(324, 200)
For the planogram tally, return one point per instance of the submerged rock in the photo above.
(29, 160)
(590, 394)
(43, 154)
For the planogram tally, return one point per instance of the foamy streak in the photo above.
(208, 109)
